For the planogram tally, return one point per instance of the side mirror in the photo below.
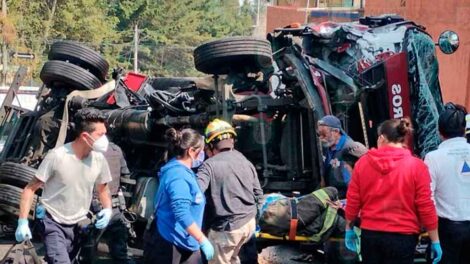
(448, 42)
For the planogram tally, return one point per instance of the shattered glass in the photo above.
(366, 48)
(426, 95)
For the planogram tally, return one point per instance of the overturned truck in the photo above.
(272, 90)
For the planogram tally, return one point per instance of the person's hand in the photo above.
(334, 204)
(103, 218)
(436, 251)
(350, 240)
(22, 231)
(40, 211)
(207, 249)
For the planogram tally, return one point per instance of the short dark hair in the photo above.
(452, 121)
(396, 130)
(86, 118)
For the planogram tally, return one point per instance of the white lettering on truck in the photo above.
(397, 101)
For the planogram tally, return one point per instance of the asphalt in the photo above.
(283, 254)
(279, 254)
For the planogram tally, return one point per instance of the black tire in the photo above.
(239, 54)
(80, 55)
(10, 197)
(16, 174)
(60, 74)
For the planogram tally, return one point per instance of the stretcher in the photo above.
(330, 218)
(421, 253)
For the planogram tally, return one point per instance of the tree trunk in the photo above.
(50, 20)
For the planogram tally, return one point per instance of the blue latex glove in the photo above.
(207, 249)
(436, 252)
(22, 231)
(40, 212)
(350, 240)
(103, 218)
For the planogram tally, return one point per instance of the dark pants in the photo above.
(115, 235)
(158, 250)
(249, 253)
(455, 241)
(387, 248)
(60, 241)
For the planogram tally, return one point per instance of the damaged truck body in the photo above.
(272, 90)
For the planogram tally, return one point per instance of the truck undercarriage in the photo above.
(273, 91)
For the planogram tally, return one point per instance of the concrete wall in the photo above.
(437, 16)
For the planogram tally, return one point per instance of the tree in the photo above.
(169, 30)
(39, 23)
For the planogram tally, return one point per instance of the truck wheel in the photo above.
(80, 55)
(10, 197)
(237, 54)
(60, 74)
(16, 174)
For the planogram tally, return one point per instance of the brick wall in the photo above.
(280, 16)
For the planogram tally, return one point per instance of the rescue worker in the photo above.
(179, 205)
(233, 193)
(68, 175)
(116, 233)
(336, 144)
(390, 189)
(449, 167)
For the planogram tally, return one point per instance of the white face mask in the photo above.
(101, 144)
(199, 160)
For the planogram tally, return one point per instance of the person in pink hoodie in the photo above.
(390, 189)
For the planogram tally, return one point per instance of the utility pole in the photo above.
(4, 47)
(136, 47)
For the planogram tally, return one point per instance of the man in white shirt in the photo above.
(68, 175)
(449, 167)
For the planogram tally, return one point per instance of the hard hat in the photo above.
(219, 130)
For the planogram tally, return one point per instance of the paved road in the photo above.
(281, 254)
(271, 255)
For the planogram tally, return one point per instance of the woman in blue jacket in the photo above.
(180, 204)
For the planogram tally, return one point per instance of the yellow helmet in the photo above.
(219, 130)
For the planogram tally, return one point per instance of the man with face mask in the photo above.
(233, 193)
(337, 144)
(68, 175)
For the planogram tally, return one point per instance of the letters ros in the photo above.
(397, 101)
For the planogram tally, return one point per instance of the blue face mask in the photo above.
(199, 159)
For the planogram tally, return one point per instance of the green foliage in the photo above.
(168, 30)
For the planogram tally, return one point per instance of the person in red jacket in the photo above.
(390, 189)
